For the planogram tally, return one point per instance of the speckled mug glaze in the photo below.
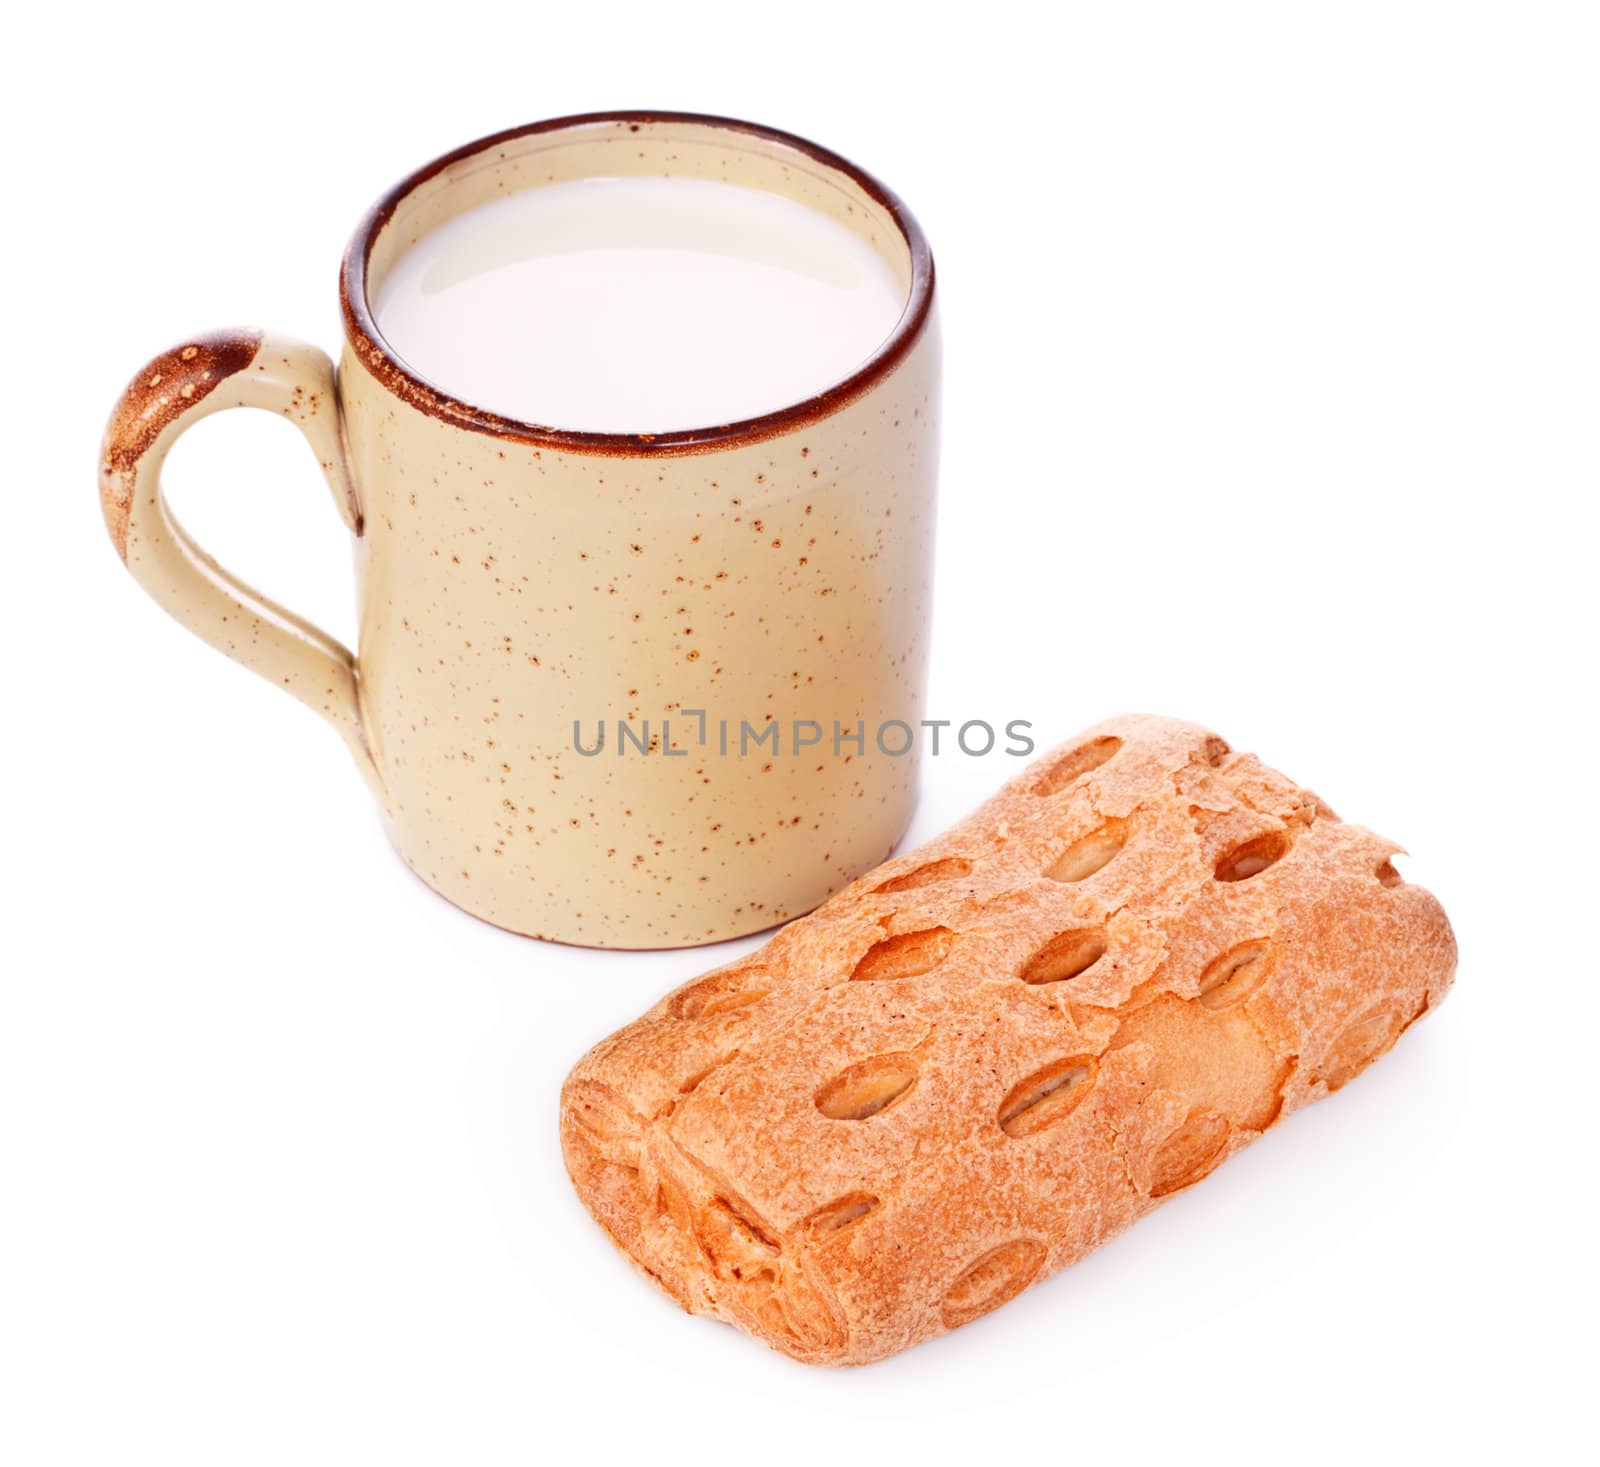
(516, 579)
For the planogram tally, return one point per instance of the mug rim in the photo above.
(361, 327)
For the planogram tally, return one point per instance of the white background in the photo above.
(1273, 343)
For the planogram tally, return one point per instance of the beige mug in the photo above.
(522, 587)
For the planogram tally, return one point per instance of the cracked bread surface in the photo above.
(982, 1060)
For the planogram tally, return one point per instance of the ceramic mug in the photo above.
(522, 586)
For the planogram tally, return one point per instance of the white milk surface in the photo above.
(638, 305)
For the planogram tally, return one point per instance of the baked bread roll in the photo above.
(984, 1059)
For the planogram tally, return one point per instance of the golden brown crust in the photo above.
(965, 1072)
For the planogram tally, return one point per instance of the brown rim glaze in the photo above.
(404, 382)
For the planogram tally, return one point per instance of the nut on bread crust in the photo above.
(985, 1058)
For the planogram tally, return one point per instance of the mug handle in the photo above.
(230, 369)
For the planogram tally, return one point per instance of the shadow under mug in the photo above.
(743, 609)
